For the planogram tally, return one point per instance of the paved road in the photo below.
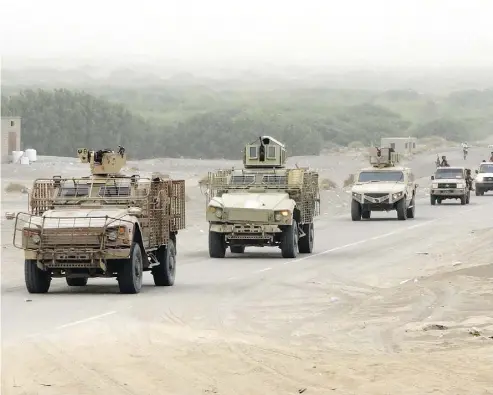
(345, 252)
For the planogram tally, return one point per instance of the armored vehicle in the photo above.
(263, 204)
(384, 186)
(449, 183)
(484, 178)
(104, 225)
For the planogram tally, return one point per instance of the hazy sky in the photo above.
(397, 32)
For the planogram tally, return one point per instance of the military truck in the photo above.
(449, 183)
(262, 204)
(107, 224)
(484, 178)
(384, 186)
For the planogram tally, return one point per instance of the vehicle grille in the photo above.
(70, 237)
(446, 185)
(376, 195)
(249, 215)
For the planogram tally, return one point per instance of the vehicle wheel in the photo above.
(401, 209)
(37, 281)
(305, 244)
(217, 245)
(77, 281)
(289, 241)
(130, 276)
(164, 273)
(439, 200)
(365, 214)
(237, 249)
(478, 191)
(411, 210)
(463, 200)
(433, 200)
(355, 210)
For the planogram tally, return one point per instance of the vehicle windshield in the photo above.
(71, 190)
(448, 173)
(381, 176)
(486, 168)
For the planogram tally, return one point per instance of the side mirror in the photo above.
(432, 177)
(476, 171)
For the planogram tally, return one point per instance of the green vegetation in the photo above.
(214, 122)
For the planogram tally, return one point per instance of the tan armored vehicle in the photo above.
(449, 183)
(384, 186)
(105, 225)
(263, 204)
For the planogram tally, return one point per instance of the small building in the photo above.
(402, 145)
(11, 137)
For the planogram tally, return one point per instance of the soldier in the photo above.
(444, 162)
(469, 179)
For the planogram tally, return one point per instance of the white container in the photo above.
(24, 160)
(31, 154)
(16, 156)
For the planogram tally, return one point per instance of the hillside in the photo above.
(207, 122)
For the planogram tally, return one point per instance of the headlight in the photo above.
(112, 235)
(434, 185)
(396, 195)
(33, 235)
(356, 195)
(216, 210)
(281, 214)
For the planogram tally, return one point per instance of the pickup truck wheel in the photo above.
(355, 210)
(164, 273)
(463, 200)
(305, 244)
(77, 281)
(433, 199)
(217, 245)
(237, 249)
(37, 281)
(130, 276)
(289, 241)
(401, 209)
(412, 210)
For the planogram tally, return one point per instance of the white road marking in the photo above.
(263, 270)
(95, 317)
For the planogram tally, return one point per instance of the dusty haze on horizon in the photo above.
(434, 33)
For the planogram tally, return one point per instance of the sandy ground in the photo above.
(380, 307)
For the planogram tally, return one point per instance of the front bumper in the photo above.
(453, 192)
(484, 185)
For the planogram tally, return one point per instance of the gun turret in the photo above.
(383, 157)
(267, 152)
(105, 161)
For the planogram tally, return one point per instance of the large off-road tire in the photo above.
(37, 281)
(355, 210)
(463, 200)
(237, 249)
(401, 209)
(131, 272)
(164, 273)
(433, 200)
(289, 241)
(305, 244)
(77, 281)
(217, 245)
(411, 211)
(366, 214)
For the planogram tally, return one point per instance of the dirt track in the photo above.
(381, 307)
